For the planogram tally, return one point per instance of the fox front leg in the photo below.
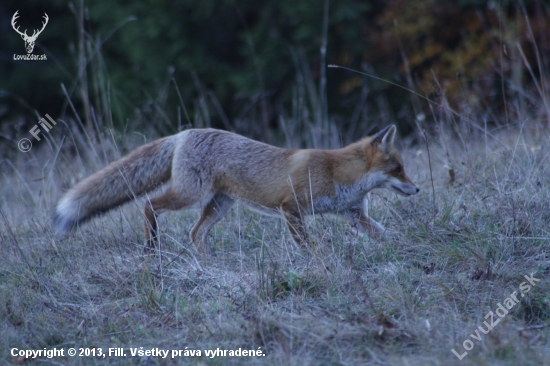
(360, 221)
(295, 224)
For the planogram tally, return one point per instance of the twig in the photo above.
(431, 174)
(323, 80)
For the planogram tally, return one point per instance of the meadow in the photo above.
(463, 280)
(460, 249)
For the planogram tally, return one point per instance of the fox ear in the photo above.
(384, 138)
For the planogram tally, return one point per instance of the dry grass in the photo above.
(349, 301)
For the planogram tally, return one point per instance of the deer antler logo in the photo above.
(29, 41)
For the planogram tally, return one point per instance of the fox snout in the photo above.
(403, 188)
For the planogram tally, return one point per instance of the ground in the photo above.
(459, 250)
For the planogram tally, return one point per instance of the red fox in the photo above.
(212, 169)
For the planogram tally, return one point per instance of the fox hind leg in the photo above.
(170, 200)
(213, 212)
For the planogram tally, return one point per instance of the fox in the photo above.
(212, 169)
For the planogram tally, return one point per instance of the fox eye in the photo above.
(398, 170)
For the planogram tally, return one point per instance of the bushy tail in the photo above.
(142, 170)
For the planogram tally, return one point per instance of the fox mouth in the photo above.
(400, 191)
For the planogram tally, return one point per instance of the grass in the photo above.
(458, 251)
(460, 247)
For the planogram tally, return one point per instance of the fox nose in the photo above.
(417, 189)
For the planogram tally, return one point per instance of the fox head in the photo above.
(386, 160)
